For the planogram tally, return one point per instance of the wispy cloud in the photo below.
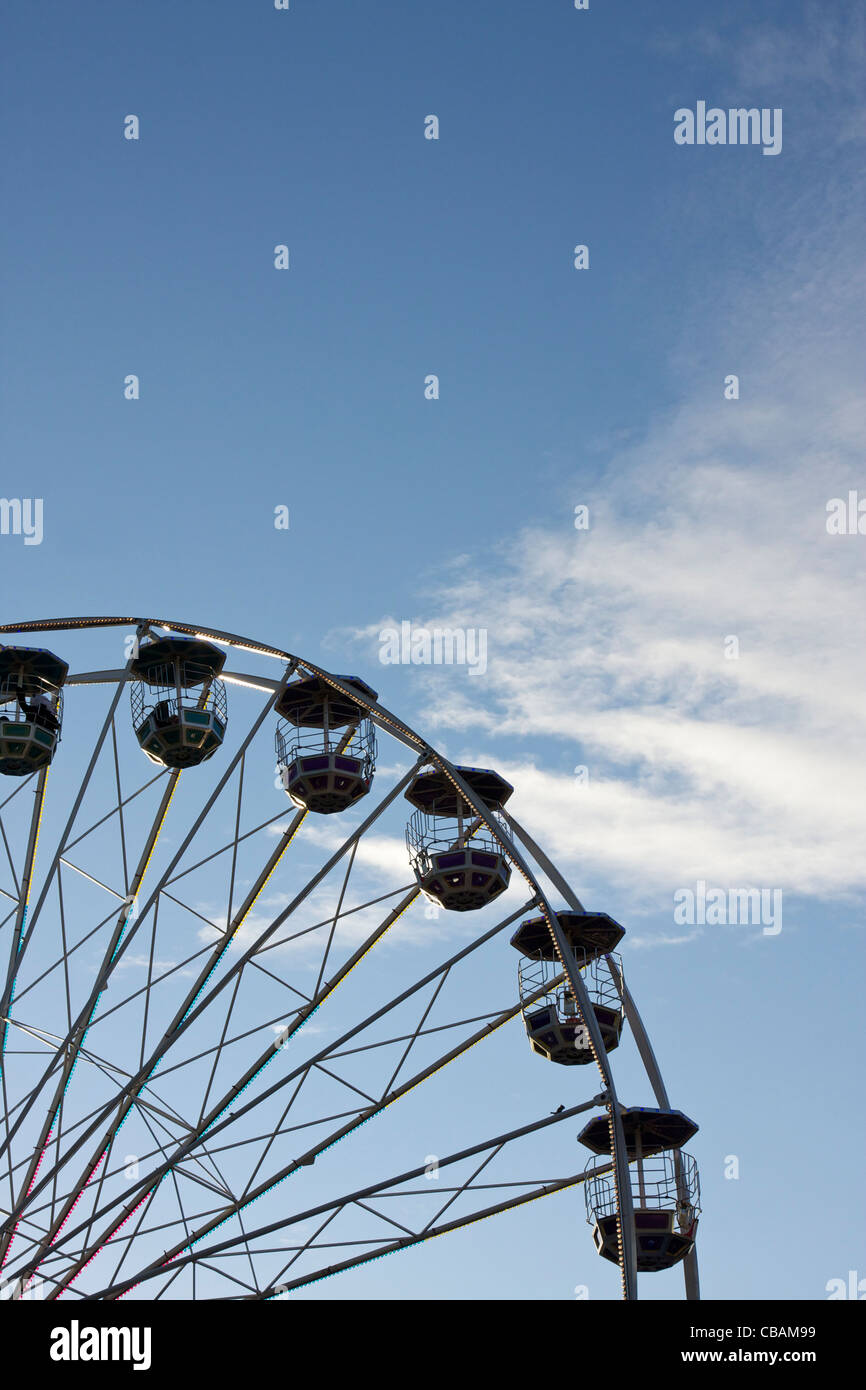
(651, 943)
(607, 647)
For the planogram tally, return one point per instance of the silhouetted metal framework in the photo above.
(77, 1212)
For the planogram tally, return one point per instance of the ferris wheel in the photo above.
(227, 944)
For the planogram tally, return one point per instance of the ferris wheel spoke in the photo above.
(191, 1010)
(19, 788)
(336, 918)
(380, 1189)
(221, 1189)
(134, 1089)
(283, 1287)
(218, 1052)
(117, 810)
(72, 1048)
(118, 945)
(63, 962)
(215, 1125)
(22, 889)
(158, 1114)
(16, 897)
(419, 1029)
(332, 1049)
(62, 845)
(66, 951)
(78, 1030)
(266, 1057)
(312, 1239)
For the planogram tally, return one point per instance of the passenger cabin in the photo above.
(665, 1187)
(551, 1014)
(457, 860)
(325, 743)
(179, 710)
(31, 708)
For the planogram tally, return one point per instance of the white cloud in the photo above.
(607, 646)
(650, 943)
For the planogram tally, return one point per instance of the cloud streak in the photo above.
(611, 647)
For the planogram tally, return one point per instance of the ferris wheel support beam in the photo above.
(72, 1050)
(409, 1242)
(25, 938)
(20, 914)
(379, 1187)
(136, 1084)
(132, 1090)
(154, 895)
(406, 1243)
(153, 1271)
(303, 1013)
(117, 947)
(24, 887)
(190, 1010)
(641, 1037)
(9, 1226)
(214, 1126)
(627, 1236)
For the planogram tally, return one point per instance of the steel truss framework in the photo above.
(182, 1062)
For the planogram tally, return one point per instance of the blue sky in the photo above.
(604, 387)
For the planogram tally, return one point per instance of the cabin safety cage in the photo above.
(325, 744)
(457, 856)
(664, 1183)
(551, 1012)
(179, 707)
(31, 708)
(176, 1016)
